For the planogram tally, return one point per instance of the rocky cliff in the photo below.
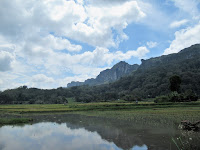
(119, 70)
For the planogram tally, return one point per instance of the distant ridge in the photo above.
(119, 70)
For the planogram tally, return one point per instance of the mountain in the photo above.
(152, 77)
(119, 70)
(148, 80)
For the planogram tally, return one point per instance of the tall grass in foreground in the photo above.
(187, 141)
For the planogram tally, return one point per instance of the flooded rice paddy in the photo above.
(77, 132)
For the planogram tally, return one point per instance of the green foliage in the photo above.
(175, 82)
(188, 96)
(161, 99)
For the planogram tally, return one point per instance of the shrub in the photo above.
(161, 99)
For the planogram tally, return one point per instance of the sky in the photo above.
(47, 44)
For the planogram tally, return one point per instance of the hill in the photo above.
(152, 77)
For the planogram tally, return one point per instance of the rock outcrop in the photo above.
(119, 70)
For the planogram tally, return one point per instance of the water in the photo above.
(84, 133)
(52, 136)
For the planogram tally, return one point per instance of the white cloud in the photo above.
(152, 44)
(37, 46)
(6, 60)
(86, 23)
(98, 57)
(8, 80)
(42, 78)
(56, 43)
(189, 6)
(102, 20)
(41, 81)
(80, 2)
(1, 82)
(184, 38)
(177, 24)
(155, 17)
(52, 136)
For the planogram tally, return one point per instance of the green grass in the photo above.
(165, 116)
(165, 113)
(34, 108)
(101, 106)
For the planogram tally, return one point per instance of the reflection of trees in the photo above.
(2, 146)
(124, 134)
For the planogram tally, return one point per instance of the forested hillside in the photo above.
(151, 79)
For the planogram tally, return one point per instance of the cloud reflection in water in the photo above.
(51, 136)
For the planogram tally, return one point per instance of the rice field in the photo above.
(166, 113)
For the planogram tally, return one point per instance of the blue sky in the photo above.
(49, 43)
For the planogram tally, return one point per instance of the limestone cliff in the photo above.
(119, 70)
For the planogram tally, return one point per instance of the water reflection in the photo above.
(51, 136)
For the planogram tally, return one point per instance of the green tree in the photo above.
(175, 82)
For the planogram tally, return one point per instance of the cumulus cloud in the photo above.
(7, 80)
(184, 38)
(152, 44)
(1, 82)
(41, 81)
(56, 43)
(6, 60)
(42, 78)
(189, 6)
(117, 17)
(37, 49)
(89, 23)
(177, 24)
(98, 57)
(107, 2)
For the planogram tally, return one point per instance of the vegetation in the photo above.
(175, 82)
(188, 96)
(187, 142)
(102, 106)
(8, 121)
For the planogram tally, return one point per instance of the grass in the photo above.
(144, 111)
(153, 117)
(34, 108)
